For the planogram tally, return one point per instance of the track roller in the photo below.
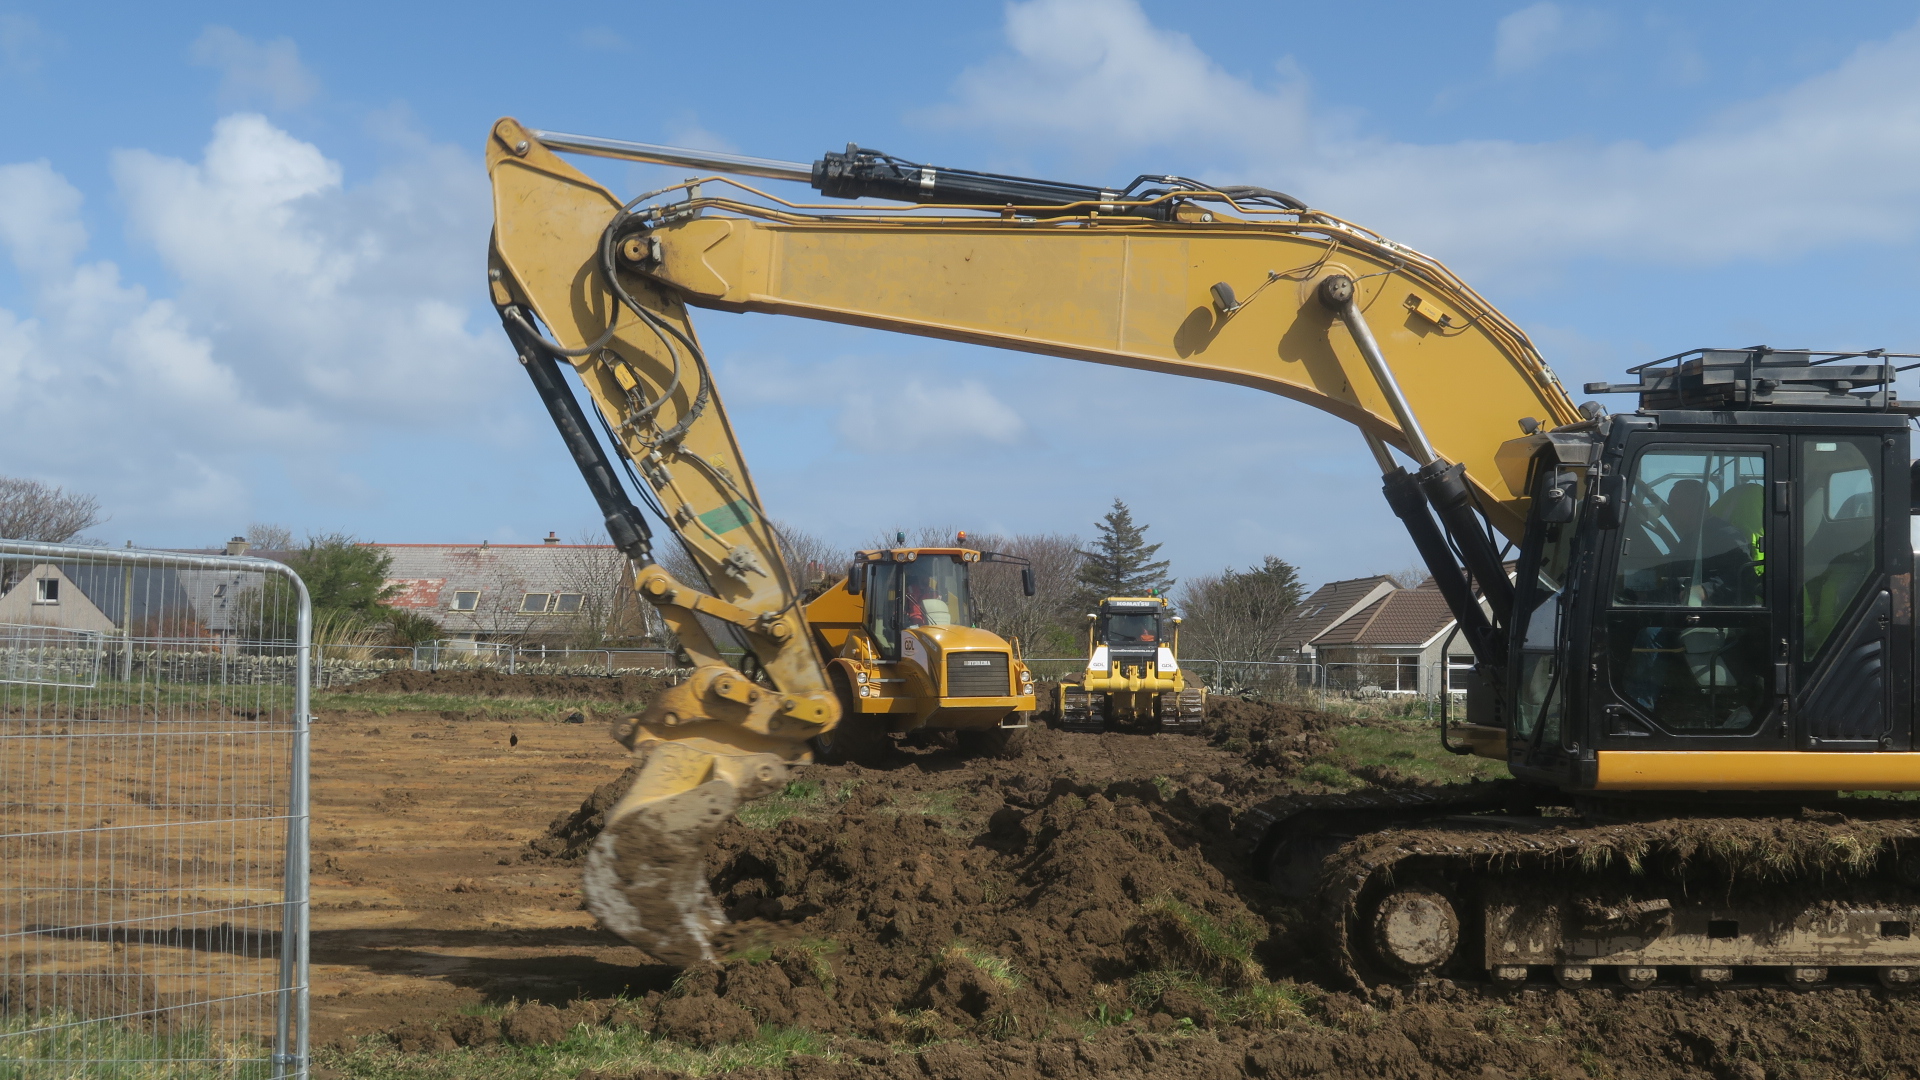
(1573, 976)
(1806, 978)
(1711, 976)
(1639, 978)
(1898, 978)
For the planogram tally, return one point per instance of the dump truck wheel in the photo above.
(856, 738)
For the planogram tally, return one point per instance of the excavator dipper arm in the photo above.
(720, 737)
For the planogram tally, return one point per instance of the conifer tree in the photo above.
(1121, 562)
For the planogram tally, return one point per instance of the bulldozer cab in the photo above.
(1132, 625)
(1715, 582)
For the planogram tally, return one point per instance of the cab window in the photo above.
(937, 592)
(1838, 548)
(1126, 630)
(1689, 630)
(1695, 534)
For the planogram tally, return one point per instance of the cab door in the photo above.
(1693, 602)
(1842, 600)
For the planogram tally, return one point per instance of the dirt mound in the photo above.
(630, 687)
(1269, 734)
(1081, 912)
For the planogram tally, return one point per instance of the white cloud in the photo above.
(307, 316)
(254, 71)
(1100, 73)
(1805, 169)
(24, 45)
(914, 414)
(1527, 38)
(39, 218)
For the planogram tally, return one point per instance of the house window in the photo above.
(1406, 673)
(535, 603)
(466, 600)
(46, 591)
(1458, 676)
(219, 591)
(567, 603)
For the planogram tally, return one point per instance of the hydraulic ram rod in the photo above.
(736, 164)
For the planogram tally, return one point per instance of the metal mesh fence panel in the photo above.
(153, 814)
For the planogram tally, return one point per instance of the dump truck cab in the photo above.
(905, 650)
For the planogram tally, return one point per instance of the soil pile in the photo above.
(1083, 911)
(627, 687)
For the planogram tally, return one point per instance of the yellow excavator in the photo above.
(903, 654)
(1708, 632)
(1133, 671)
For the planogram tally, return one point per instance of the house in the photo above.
(1329, 606)
(1401, 642)
(42, 594)
(546, 593)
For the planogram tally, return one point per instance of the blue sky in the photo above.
(243, 243)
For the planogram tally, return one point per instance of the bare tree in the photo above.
(31, 510)
(1047, 622)
(610, 612)
(1238, 614)
(1411, 576)
(814, 563)
(266, 536)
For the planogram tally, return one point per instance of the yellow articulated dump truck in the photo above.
(903, 654)
(1133, 671)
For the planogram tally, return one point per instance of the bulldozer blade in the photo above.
(646, 874)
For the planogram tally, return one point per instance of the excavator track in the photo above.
(1475, 885)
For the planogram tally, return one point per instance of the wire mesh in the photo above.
(153, 814)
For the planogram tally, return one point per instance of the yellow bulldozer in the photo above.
(903, 654)
(1133, 673)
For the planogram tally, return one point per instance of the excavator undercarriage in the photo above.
(1505, 883)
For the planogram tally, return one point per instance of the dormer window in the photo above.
(46, 590)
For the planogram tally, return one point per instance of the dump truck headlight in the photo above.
(861, 678)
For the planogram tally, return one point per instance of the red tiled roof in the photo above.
(1324, 608)
(1403, 617)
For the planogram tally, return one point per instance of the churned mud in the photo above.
(1080, 911)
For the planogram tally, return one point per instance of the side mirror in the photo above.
(856, 575)
(1026, 580)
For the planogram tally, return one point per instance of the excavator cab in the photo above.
(1714, 598)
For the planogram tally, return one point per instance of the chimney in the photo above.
(237, 546)
(553, 538)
